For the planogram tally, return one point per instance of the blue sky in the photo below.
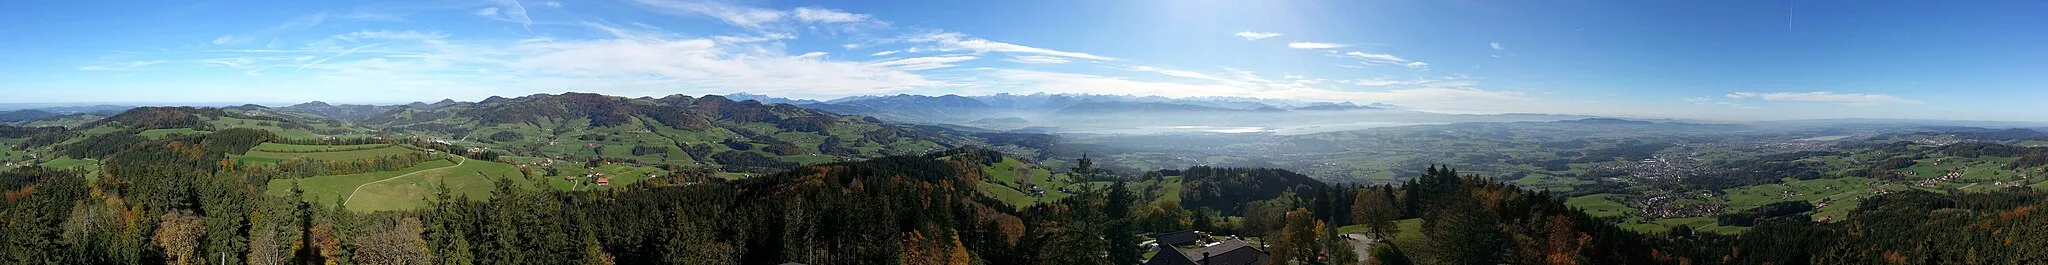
(1723, 60)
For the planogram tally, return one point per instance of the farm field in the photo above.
(1006, 175)
(620, 175)
(474, 179)
(327, 190)
(277, 147)
(8, 155)
(1599, 205)
(259, 156)
(161, 133)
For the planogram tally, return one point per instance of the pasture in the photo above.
(259, 156)
(327, 190)
(161, 133)
(474, 179)
(277, 147)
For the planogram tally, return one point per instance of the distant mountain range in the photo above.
(1038, 112)
(999, 112)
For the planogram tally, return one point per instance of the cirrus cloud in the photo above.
(1853, 99)
(1315, 45)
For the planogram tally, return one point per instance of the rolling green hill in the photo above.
(743, 136)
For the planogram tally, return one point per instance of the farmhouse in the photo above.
(1229, 252)
(1176, 239)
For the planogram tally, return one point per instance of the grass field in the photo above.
(256, 155)
(1007, 195)
(1409, 236)
(8, 154)
(620, 174)
(160, 133)
(326, 190)
(413, 187)
(1843, 192)
(69, 163)
(1600, 205)
(473, 179)
(277, 147)
(1005, 184)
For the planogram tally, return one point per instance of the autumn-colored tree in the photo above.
(398, 245)
(1564, 242)
(1264, 218)
(326, 243)
(1164, 215)
(916, 250)
(1010, 228)
(1297, 241)
(272, 244)
(179, 236)
(959, 256)
(1375, 209)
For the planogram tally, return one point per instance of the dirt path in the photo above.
(359, 188)
(1362, 244)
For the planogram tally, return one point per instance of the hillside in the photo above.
(738, 136)
(21, 116)
(344, 112)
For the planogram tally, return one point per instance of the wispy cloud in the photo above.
(923, 63)
(1202, 85)
(1377, 57)
(1496, 46)
(1036, 59)
(1387, 82)
(298, 23)
(885, 53)
(1383, 59)
(1315, 45)
(953, 41)
(826, 15)
(1852, 99)
(1712, 102)
(743, 16)
(1250, 35)
(553, 4)
(756, 17)
(391, 35)
(1442, 82)
(764, 37)
(120, 66)
(508, 11)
